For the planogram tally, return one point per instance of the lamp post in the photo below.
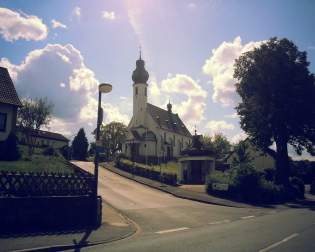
(102, 88)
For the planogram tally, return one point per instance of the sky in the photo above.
(62, 50)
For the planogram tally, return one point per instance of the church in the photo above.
(154, 134)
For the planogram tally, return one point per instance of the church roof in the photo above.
(167, 120)
(8, 93)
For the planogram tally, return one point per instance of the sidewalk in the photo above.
(177, 191)
(114, 227)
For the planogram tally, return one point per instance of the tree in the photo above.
(218, 144)
(80, 146)
(113, 135)
(242, 156)
(32, 116)
(278, 94)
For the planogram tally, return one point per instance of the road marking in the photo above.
(279, 242)
(171, 230)
(219, 222)
(247, 217)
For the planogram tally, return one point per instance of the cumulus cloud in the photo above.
(76, 11)
(14, 26)
(219, 66)
(59, 73)
(238, 137)
(219, 126)
(109, 15)
(189, 97)
(57, 24)
(232, 116)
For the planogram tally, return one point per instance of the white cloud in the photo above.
(59, 73)
(191, 5)
(186, 95)
(76, 11)
(109, 15)
(238, 137)
(14, 26)
(232, 116)
(219, 66)
(57, 24)
(219, 126)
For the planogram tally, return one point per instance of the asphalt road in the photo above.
(167, 223)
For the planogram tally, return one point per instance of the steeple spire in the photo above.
(140, 52)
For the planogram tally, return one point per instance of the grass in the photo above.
(38, 163)
(169, 168)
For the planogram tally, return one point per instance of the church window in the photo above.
(145, 91)
(164, 136)
(173, 140)
(136, 90)
(145, 145)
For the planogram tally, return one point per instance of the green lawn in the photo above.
(170, 167)
(38, 163)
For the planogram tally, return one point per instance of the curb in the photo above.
(178, 195)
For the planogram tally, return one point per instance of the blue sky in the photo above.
(63, 49)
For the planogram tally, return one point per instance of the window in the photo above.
(3, 121)
(164, 136)
(145, 91)
(136, 90)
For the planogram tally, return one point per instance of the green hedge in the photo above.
(127, 166)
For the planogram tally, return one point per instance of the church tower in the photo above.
(140, 77)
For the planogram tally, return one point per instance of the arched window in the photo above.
(145, 91)
(136, 90)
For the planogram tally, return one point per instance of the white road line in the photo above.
(219, 222)
(171, 230)
(247, 217)
(278, 243)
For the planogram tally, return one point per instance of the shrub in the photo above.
(49, 151)
(313, 187)
(298, 187)
(10, 150)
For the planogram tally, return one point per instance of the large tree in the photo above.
(218, 144)
(80, 146)
(113, 135)
(278, 94)
(32, 116)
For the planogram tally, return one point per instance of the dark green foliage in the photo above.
(80, 146)
(65, 152)
(219, 145)
(313, 187)
(298, 186)
(9, 149)
(92, 149)
(303, 169)
(50, 151)
(278, 94)
(242, 156)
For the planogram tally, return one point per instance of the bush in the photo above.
(313, 187)
(50, 151)
(298, 187)
(9, 148)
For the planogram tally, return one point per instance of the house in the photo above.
(41, 138)
(196, 162)
(154, 134)
(9, 103)
(259, 159)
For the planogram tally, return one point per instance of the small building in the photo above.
(9, 103)
(41, 138)
(154, 134)
(196, 162)
(259, 159)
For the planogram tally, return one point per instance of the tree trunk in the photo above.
(282, 162)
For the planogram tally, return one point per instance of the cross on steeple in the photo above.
(140, 51)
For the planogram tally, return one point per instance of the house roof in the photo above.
(8, 94)
(167, 120)
(45, 134)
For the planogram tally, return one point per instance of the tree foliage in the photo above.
(32, 116)
(113, 135)
(80, 146)
(278, 95)
(218, 144)
(242, 155)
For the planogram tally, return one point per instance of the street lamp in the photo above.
(102, 88)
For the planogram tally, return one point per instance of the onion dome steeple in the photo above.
(140, 75)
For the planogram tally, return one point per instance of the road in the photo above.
(167, 223)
